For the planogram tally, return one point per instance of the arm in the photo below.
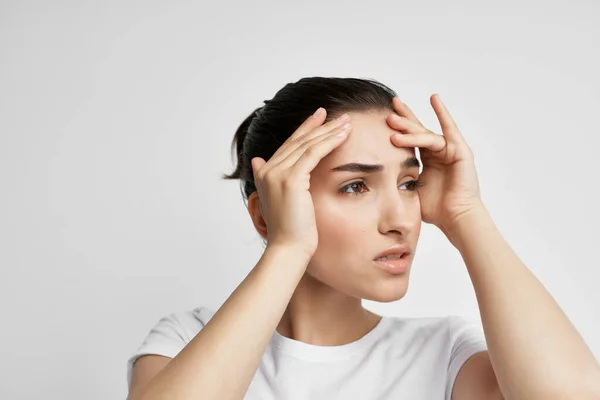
(535, 351)
(221, 360)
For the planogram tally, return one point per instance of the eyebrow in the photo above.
(411, 162)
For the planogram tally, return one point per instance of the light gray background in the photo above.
(115, 125)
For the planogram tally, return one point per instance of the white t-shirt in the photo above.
(401, 358)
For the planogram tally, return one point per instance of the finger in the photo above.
(404, 124)
(449, 127)
(403, 110)
(312, 122)
(289, 146)
(256, 164)
(306, 158)
(309, 124)
(430, 141)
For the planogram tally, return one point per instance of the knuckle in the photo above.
(304, 145)
(310, 151)
(287, 182)
(262, 172)
(267, 177)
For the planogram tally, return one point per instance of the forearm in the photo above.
(221, 360)
(534, 349)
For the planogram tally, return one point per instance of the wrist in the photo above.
(465, 224)
(290, 254)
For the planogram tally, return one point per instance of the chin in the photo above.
(387, 293)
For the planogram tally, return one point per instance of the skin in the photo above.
(310, 279)
(354, 227)
(325, 308)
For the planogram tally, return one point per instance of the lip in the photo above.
(397, 249)
(395, 267)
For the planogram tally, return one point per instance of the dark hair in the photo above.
(269, 126)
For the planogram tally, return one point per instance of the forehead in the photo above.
(368, 142)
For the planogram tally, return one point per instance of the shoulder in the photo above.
(466, 336)
(436, 338)
(443, 344)
(183, 324)
(169, 334)
(445, 328)
(192, 321)
(468, 357)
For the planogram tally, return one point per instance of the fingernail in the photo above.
(318, 112)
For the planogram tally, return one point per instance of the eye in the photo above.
(352, 185)
(413, 185)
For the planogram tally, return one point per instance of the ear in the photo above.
(256, 214)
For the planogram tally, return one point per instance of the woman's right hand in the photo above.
(283, 181)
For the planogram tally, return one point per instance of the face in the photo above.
(361, 214)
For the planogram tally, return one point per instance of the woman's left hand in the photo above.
(450, 185)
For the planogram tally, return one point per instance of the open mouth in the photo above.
(394, 263)
(391, 257)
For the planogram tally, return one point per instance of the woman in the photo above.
(339, 201)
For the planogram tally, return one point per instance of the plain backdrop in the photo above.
(116, 119)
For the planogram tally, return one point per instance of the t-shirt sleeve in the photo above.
(166, 338)
(467, 340)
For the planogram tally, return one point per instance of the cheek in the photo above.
(349, 227)
(341, 230)
(342, 242)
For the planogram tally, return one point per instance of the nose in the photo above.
(397, 211)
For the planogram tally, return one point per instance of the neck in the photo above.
(320, 315)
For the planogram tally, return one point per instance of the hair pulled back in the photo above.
(269, 126)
